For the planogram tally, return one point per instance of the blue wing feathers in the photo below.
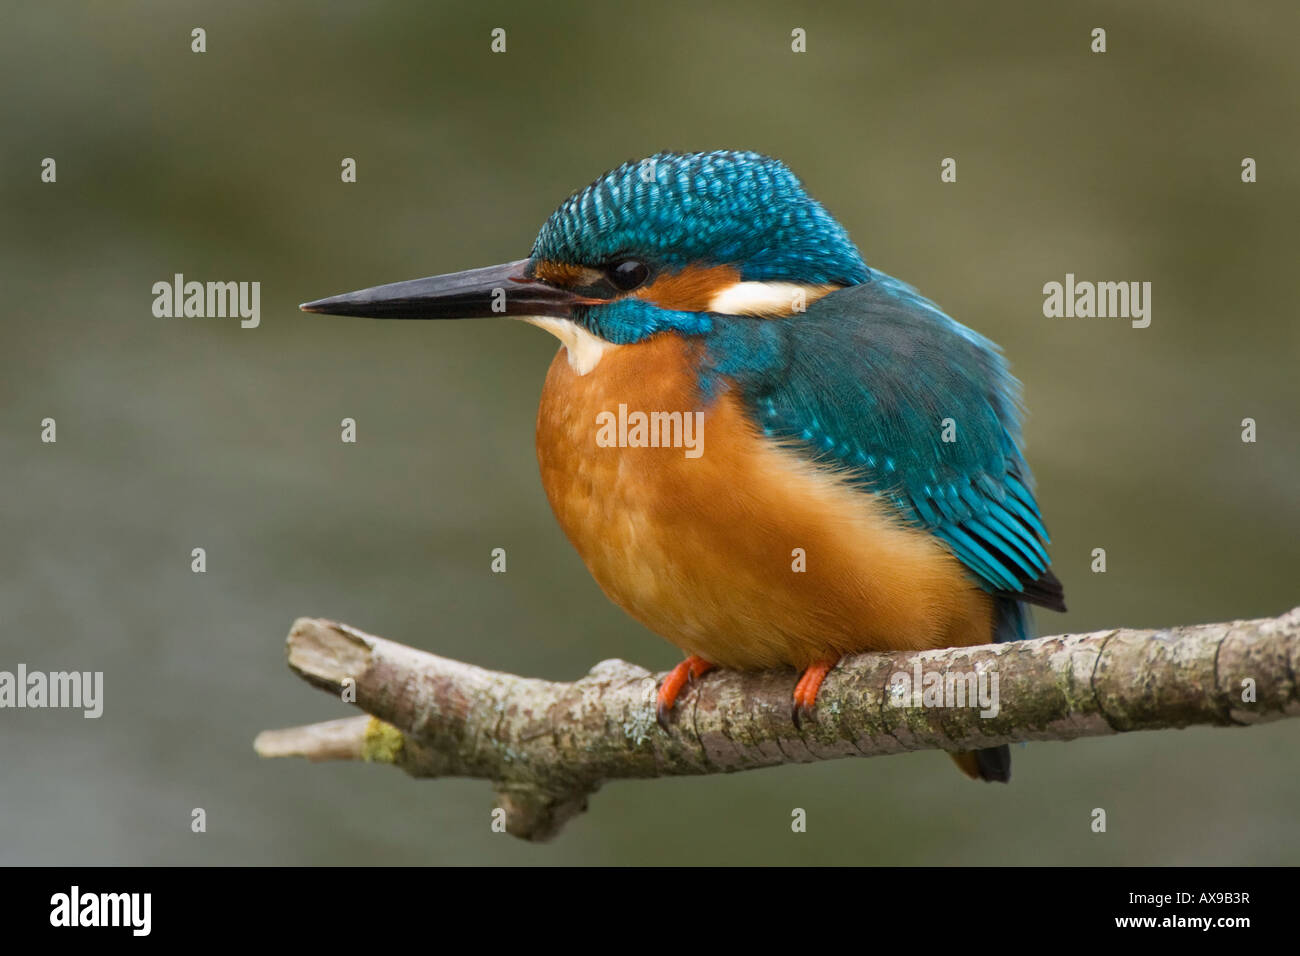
(864, 379)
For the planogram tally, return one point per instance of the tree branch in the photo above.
(546, 746)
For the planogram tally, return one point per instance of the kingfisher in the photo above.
(859, 482)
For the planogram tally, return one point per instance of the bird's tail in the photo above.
(1011, 622)
(991, 763)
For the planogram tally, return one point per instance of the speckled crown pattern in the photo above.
(723, 207)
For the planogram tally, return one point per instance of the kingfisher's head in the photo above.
(651, 247)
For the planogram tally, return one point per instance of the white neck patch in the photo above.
(766, 298)
(583, 349)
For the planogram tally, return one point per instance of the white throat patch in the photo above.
(584, 349)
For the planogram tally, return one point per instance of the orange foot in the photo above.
(805, 692)
(689, 669)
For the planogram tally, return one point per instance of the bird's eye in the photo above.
(627, 274)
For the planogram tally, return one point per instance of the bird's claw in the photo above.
(805, 692)
(662, 714)
(684, 673)
(799, 713)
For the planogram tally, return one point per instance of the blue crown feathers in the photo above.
(721, 207)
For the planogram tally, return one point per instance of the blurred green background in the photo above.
(183, 433)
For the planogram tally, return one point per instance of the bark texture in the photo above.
(547, 746)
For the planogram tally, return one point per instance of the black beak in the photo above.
(503, 290)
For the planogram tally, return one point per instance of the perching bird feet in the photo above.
(684, 673)
(805, 692)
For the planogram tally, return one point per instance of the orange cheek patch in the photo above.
(691, 289)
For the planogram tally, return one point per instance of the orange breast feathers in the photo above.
(747, 554)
